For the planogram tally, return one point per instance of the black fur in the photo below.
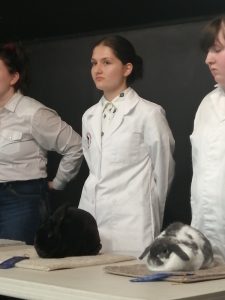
(70, 231)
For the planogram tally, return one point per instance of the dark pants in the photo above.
(23, 205)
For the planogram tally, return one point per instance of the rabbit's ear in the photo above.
(176, 249)
(146, 251)
(63, 212)
(59, 215)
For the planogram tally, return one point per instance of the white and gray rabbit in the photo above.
(179, 247)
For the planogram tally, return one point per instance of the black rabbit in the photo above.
(179, 247)
(70, 231)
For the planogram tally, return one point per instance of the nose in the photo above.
(210, 58)
(97, 68)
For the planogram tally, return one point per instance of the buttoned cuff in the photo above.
(58, 185)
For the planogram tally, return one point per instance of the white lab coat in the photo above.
(131, 169)
(208, 182)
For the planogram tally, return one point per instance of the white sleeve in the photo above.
(161, 144)
(53, 134)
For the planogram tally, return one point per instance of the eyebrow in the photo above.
(107, 57)
(217, 42)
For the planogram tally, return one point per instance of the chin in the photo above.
(99, 86)
(219, 80)
(222, 84)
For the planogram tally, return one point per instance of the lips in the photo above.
(99, 78)
(214, 71)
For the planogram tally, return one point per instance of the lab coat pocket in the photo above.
(10, 141)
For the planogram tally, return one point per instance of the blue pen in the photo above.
(10, 262)
(152, 277)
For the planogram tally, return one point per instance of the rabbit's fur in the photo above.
(70, 231)
(179, 247)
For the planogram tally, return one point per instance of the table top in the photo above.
(93, 283)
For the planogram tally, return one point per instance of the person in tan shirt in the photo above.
(28, 130)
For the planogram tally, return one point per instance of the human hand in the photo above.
(50, 185)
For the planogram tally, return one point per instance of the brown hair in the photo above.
(125, 52)
(210, 32)
(14, 57)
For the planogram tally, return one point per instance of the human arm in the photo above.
(53, 134)
(160, 140)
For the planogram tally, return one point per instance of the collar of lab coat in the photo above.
(94, 116)
(117, 101)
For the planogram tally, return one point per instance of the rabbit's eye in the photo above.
(165, 253)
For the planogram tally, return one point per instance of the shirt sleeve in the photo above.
(161, 144)
(53, 134)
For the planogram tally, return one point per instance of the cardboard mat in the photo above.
(139, 270)
(49, 264)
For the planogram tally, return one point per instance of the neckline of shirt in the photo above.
(12, 102)
(117, 99)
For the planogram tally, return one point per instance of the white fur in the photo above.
(175, 263)
(186, 234)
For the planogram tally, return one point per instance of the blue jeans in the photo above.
(23, 205)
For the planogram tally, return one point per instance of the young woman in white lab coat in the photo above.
(128, 147)
(208, 145)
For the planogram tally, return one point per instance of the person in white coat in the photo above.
(128, 146)
(208, 145)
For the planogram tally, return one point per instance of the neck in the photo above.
(110, 95)
(4, 98)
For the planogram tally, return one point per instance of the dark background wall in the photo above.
(175, 77)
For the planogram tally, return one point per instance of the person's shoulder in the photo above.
(210, 97)
(208, 105)
(214, 93)
(30, 102)
(149, 106)
(28, 105)
(91, 110)
(145, 103)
